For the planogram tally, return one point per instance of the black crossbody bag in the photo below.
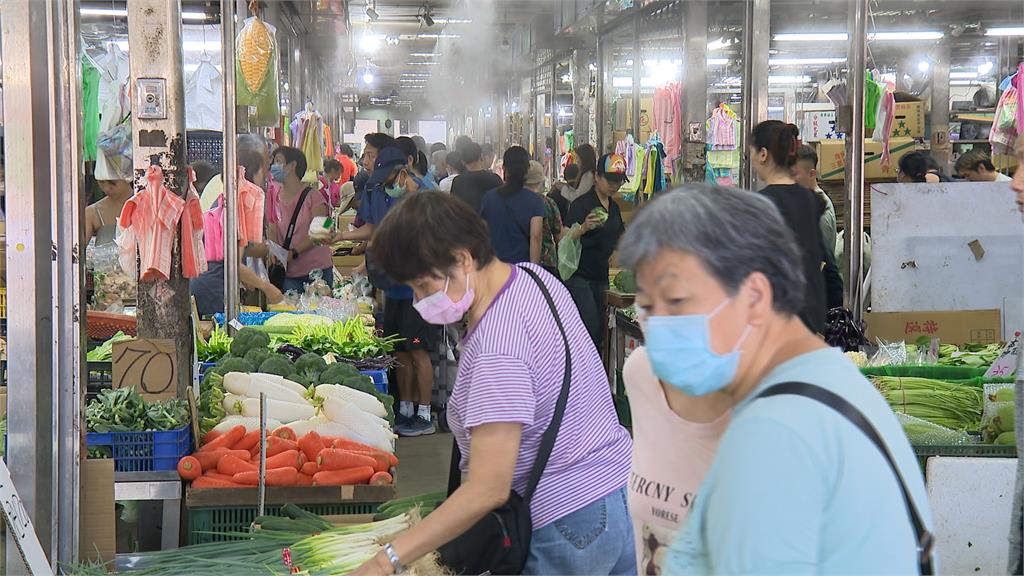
(925, 539)
(276, 273)
(500, 542)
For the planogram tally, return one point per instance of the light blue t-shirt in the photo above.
(796, 488)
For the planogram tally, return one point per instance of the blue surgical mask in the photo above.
(395, 191)
(277, 172)
(679, 348)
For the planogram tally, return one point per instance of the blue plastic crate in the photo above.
(144, 451)
(380, 379)
(204, 366)
(248, 318)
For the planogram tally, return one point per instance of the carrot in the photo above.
(225, 440)
(276, 477)
(288, 458)
(285, 432)
(189, 468)
(208, 460)
(304, 480)
(310, 468)
(359, 475)
(303, 459)
(381, 479)
(276, 445)
(248, 441)
(383, 463)
(211, 482)
(232, 465)
(217, 475)
(211, 436)
(334, 459)
(359, 448)
(311, 444)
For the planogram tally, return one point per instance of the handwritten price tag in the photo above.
(1006, 364)
(151, 366)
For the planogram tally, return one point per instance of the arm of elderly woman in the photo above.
(493, 451)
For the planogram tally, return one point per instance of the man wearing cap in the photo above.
(389, 182)
(598, 240)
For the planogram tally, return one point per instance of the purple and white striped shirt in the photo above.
(511, 370)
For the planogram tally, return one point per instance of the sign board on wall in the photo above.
(953, 327)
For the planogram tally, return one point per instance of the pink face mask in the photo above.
(439, 309)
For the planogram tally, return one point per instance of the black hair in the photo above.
(408, 147)
(454, 160)
(972, 160)
(438, 146)
(292, 155)
(331, 165)
(421, 144)
(779, 139)
(586, 158)
(806, 153)
(379, 140)
(914, 165)
(461, 142)
(516, 163)
(419, 236)
(471, 153)
(205, 171)
(571, 172)
(347, 150)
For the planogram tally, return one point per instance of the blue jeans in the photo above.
(596, 539)
(299, 284)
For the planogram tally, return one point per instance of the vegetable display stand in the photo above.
(149, 451)
(380, 379)
(923, 453)
(212, 512)
(161, 486)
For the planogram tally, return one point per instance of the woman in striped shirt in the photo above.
(510, 373)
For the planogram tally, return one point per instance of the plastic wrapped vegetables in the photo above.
(953, 406)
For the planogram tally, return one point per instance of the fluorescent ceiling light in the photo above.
(453, 21)
(123, 12)
(423, 54)
(803, 61)
(194, 16)
(963, 74)
(422, 63)
(964, 83)
(789, 79)
(985, 68)
(368, 77)
(811, 37)
(1013, 31)
(906, 35)
(369, 42)
(441, 35)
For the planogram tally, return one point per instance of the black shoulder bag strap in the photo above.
(295, 217)
(925, 539)
(547, 443)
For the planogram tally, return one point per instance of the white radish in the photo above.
(282, 381)
(233, 404)
(250, 424)
(284, 412)
(301, 427)
(366, 402)
(251, 385)
(326, 427)
(362, 423)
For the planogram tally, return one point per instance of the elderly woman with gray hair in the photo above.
(813, 472)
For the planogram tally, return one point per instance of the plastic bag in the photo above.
(112, 285)
(999, 416)
(890, 354)
(569, 250)
(256, 72)
(924, 433)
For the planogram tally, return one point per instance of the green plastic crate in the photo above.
(212, 524)
(923, 453)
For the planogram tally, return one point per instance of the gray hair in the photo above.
(251, 151)
(733, 232)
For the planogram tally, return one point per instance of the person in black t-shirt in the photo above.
(471, 185)
(590, 282)
(773, 148)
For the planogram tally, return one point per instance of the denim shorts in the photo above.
(596, 539)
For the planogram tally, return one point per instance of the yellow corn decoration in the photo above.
(255, 47)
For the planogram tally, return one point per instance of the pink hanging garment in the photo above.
(667, 103)
(273, 202)
(1018, 83)
(193, 253)
(250, 211)
(153, 215)
(213, 232)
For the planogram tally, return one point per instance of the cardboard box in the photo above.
(832, 158)
(953, 327)
(97, 539)
(908, 120)
(819, 125)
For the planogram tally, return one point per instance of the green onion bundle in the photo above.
(949, 405)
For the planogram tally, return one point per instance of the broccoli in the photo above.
(310, 364)
(389, 404)
(277, 364)
(233, 365)
(211, 379)
(256, 356)
(304, 379)
(337, 373)
(361, 383)
(247, 339)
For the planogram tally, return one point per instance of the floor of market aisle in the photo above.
(423, 464)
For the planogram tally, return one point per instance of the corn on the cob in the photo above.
(255, 48)
(949, 405)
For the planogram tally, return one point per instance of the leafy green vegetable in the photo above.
(233, 364)
(211, 401)
(104, 352)
(337, 373)
(247, 339)
(303, 379)
(601, 214)
(256, 356)
(216, 347)
(351, 339)
(169, 414)
(277, 364)
(124, 410)
(296, 320)
(310, 364)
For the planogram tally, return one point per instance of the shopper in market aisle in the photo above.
(348, 164)
(805, 172)
(471, 185)
(453, 161)
(417, 163)
(919, 167)
(586, 162)
(976, 166)
(773, 149)
(598, 240)
(514, 214)
(304, 255)
(510, 368)
(101, 216)
(794, 485)
(552, 231)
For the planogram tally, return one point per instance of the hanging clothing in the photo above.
(872, 93)
(250, 211)
(153, 214)
(883, 128)
(114, 73)
(722, 128)
(1003, 135)
(328, 140)
(204, 97)
(1018, 84)
(666, 120)
(627, 149)
(193, 253)
(90, 109)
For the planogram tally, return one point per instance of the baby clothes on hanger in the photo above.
(204, 95)
(153, 214)
(193, 252)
